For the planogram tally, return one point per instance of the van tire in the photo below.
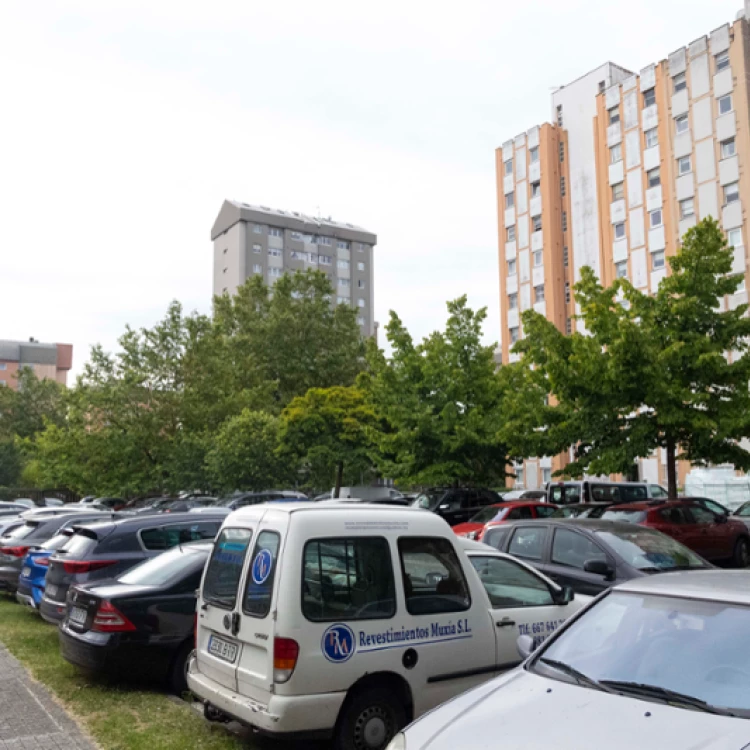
(370, 719)
(178, 669)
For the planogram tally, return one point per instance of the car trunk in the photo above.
(83, 606)
(81, 545)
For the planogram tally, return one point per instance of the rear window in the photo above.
(496, 537)
(259, 587)
(166, 537)
(79, 545)
(21, 532)
(225, 567)
(58, 540)
(171, 565)
(631, 516)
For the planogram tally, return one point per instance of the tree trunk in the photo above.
(339, 477)
(671, 468)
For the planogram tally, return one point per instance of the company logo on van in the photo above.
(262, 566)
(338, 643)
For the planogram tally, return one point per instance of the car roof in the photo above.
(585, 524)
(653, 503)
(158, 518)
(707, 585)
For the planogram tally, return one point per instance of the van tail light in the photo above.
(85, 566)
(14, 551)
(285, 653)
(109, 619)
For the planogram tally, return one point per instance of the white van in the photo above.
(348, 622)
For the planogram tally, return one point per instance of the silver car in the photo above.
(654, 663)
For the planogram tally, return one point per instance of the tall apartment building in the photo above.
(259, 240)
(51, 361)
(630, 162)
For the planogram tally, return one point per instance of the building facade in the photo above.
(629, 163)
(52, 361)
(256, 240)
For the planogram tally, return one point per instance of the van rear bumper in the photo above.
(298, 716)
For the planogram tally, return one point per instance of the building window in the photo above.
(559, 115)
(681, 124)
(722, 61)
(345, 282)
(513, 334)
(512, 267)
(614, 115)
(342, 244)
(360, 321)
(655, 218)
(653, 178)
(510, 233)
(257, 268)
(621, 269)
(649, 97)
(679, 83)
(619, 230)
(538, 258)
(343, 300)
(257, 248)
(312, 257)
(513, 301)
(536, 223)
(567, 292)
(361, 247)
(618, 191)
(274, 232)
(360, 266)
(325, 260)
(510, 200)
(360, 302)
(565, 256)
(734, 239)
(3, 366)
(568, 326)
(615, 154)
(652, 138)
(728, 148)
(508, 166)
(275, 272)
(562, 185)
(295, 235)
(536, 189)
(683, 165)
(562, 151)
(534, 154)
(564, 221)
(687, 208)
(258, 228)
(602, 86)
(657, 260)
(340, 263)
(325, 241)
(546, 476)
(539, 293)
(725, 104)
(275, 252)
(731, 193)
(360, 283)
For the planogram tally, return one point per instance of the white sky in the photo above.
(125, 123)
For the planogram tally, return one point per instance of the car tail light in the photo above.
(43, 561)
(109, 619)
(285, 653)
(85, 566)
(15, 551)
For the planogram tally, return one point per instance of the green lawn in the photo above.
(118, 717)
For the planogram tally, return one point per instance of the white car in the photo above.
(657, 662)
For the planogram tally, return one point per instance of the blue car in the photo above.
(34, 570)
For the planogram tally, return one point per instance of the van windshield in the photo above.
(225, 567)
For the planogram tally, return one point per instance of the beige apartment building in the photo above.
(630, 162)
(257, 240)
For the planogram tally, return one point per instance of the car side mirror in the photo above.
(565, 595)
(598, 567)
(721, 519)
(524, 646)
(444, 507)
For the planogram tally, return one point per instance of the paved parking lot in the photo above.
(29, 717)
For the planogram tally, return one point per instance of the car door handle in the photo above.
(505, 623)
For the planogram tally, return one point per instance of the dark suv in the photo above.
(456, 504)
(105, 550)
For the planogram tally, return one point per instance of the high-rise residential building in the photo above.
(51, 361)
(628, 164)
(258, 240)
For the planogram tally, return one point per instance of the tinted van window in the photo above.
(347, 579)
(262, 573)
(225, 567)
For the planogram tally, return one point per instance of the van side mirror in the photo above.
(598, 567)
(564, 596)
(524, 646)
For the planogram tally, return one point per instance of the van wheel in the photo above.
(178, 670)
(742, 553)
(370, 721)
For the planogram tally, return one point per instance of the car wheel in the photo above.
(742, 553)
(178, 671)
(371, 720)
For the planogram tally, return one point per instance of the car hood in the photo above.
(524, 711)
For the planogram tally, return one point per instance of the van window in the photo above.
(166, 537)
(434, 581)
(565, 494)
(348, 579)
(259, 587)
(225, 567)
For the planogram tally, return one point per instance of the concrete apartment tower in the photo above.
(252, 240)
(630, 162)
(52, 361)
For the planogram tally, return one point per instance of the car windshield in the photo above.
(631, 516)
(490, 513)
(160, 569)
(650, 550)
(428, 500)
(668, 649)
(225, 502)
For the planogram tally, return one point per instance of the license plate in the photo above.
(77, 615)
(221, 649)
(26, 572)
(51, 590)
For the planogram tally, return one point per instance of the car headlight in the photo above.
(398, 742)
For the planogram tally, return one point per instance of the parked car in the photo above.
(456, 504)
(743, 514)
(242, 499)
(8, 523)
(110, 503)
(592, 555)
(368, 493)
(36, 529)
(105, 550)
(652, 665)
(595, 490)
(11, 509)
(581, 510)
(500, 513)
(397, 501)
(25, 501)
(524, 495)
(142, 623)
(182, 506)
(718, 538)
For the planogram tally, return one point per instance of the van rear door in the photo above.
(219, 619)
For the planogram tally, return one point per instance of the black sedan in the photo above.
(591, 555)
(142, 623)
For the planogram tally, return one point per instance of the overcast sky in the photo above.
(126, 123)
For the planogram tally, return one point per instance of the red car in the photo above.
(500, 513)
(714, 537)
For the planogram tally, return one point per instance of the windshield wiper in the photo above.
(579, 677)
(667, 695)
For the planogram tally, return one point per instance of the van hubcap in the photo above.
(371, 729)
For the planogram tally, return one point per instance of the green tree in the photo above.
(327, 433)
(665, 371)
(244, 454)
(441, 402)
(11, 462)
